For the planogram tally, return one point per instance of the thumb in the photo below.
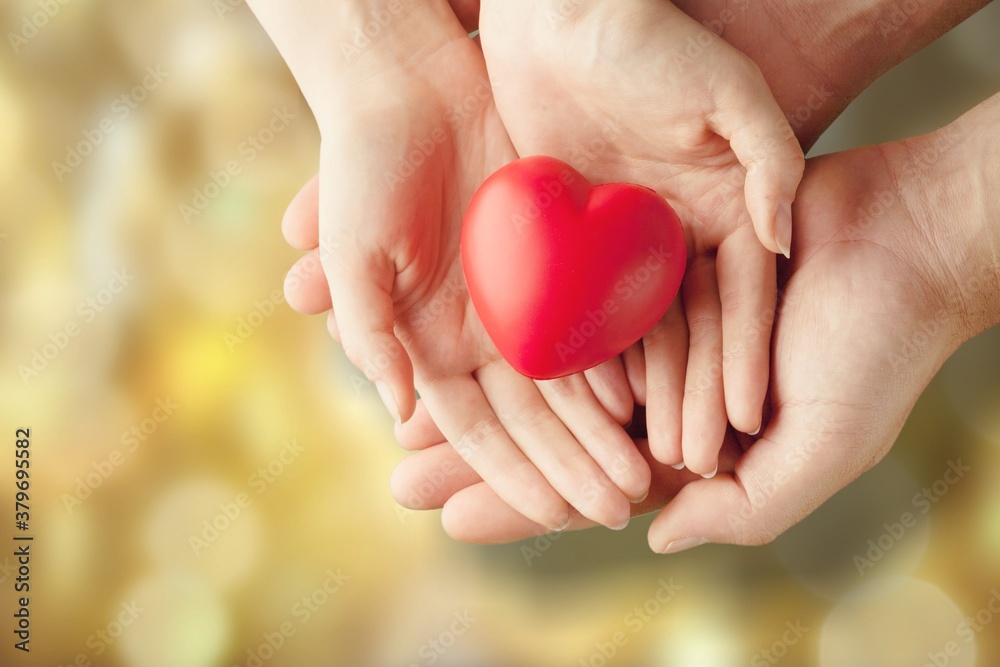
(361, 290)
(766, 146)
(780, 480)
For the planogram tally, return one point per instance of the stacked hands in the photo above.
(769, 384)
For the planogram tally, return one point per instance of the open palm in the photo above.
(617, 92)
(836, 405)
(414, 167)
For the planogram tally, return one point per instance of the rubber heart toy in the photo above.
(564, 275)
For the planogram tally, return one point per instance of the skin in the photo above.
(491, 520)
(709, 137)
(847, 58)
(391, 262)
(878, 259)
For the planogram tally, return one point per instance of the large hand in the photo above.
(886, 282)
(401, 157)
(883, 288)
(813, 86)
(638, 91)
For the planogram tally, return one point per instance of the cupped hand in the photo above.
(870, 311)
(637, 91)
(399, 164)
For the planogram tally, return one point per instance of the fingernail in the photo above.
(712, 474)
(757, 431)
(562, 527)
(679, 466)
(388, 399)
(684, 544)
(636, 501)
(621, 527)
(783, 229)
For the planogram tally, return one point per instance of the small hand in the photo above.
(637, 91)
(384, 218)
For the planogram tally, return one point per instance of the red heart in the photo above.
(563, 275)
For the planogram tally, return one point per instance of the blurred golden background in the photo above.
(210, 476)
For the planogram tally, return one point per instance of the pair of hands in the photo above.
(429, 138)
(418, 285)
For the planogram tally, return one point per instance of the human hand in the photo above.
(408, 136)
(813, 87)
(884, 287)
(638, 91)
(878, 259)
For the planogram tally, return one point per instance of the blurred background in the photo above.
(210, 476)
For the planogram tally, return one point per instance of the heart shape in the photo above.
(565, 275)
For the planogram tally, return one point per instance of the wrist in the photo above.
(950, 181)
(336, 48)
(818, 55)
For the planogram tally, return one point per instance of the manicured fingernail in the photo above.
(388, 399)
(684, 544)
(713, 473)
(621, 527)
(783, 229)
(561, 527)
(636, 501)
(679, 466)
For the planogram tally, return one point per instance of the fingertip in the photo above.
(300, 223)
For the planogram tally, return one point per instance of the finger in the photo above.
(420, 432)
(460, 408)
(748, 289)
(765, 144)
(551, 447)
(361, 277)
(785, 475)
(572, 401)
(331, 326)
(666, 352)
(427, 479)
(306, 289)
(361, 288)
(704, 411)
(611, 387)
(300, 224)
(634, 360)
(463, 518)
(478, 516)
